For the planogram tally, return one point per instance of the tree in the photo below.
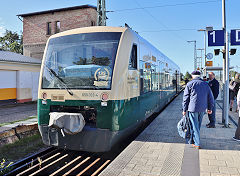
(11, 41)
(181, 76)
(187, 75)
(232, 74)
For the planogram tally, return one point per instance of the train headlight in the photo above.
(104, 96)
(44, 95)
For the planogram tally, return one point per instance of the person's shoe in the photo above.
(211, 126)
(196, 146)
(230, 109)
(235, 139)
(207, 124)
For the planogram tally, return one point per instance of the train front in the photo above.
(74, 88)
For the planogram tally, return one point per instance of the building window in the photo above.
(57, 26)
(49, 28)
(92, 23)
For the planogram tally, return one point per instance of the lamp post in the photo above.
(209, 28)
(195, 53)
(201, 57)
(225, 68)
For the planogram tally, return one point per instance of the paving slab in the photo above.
(159, 150)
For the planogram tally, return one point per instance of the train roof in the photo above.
(90, 30)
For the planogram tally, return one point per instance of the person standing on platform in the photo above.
(233, 90)
(197, 99)
(214, 85)
(237, 133)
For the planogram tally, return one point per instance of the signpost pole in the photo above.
(205, 53)
(227, 79)
(225, 101)
(195, 56)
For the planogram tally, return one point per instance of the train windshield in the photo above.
(81, 61)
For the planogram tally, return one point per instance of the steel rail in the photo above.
(89, 166)
(100, 168)
(27, 170)
(82, 162)
(64, 156)
(70, 163)
(29, 160)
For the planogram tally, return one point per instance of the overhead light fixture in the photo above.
(209, 28)
(233, 51)
(216, 52)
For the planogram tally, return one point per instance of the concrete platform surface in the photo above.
(159, 150)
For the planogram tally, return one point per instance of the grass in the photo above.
(8, 123)
(11, 153)
(21, 148)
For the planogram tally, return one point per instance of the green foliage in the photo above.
(11, 41)
(187, 75)
(232, 74)
(5, 166)
(21, 148)
(181, 76)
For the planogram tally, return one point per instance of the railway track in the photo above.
(54, 161)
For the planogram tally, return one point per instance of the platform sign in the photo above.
(209, 63)
(216, 38)
(235, 37)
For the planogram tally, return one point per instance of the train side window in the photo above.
(133, 57)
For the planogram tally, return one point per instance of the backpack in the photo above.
(183, 127)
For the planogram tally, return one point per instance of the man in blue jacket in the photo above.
(197, 99)
(214, 85)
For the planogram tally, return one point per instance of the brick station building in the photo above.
(39, 26)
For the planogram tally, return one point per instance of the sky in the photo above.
(166, 24)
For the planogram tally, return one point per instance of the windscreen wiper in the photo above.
(61, 80)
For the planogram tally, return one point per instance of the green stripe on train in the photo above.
(118, 114)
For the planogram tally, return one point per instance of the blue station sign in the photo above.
(216, 38)
(235, 37)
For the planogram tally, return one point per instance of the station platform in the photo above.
(159, 150)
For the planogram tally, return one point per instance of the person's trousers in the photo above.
(212, 117)
(237, 133)
(196, 121)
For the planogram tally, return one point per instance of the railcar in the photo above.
(98, 84)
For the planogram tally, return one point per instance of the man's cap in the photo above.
(196, 73)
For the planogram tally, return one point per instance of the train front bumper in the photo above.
(89, 139)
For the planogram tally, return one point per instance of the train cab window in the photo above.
(133, 58)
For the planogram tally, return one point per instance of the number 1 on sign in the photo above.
(213, 34)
